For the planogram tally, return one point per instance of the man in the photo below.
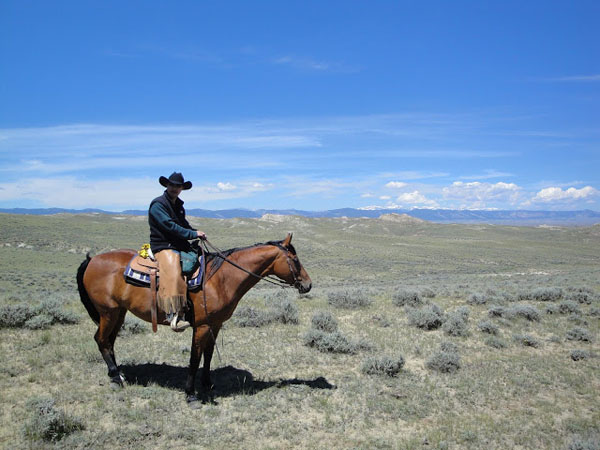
(169, 235)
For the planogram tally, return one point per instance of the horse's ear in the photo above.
(288, 240)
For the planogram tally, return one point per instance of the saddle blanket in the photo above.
(142, 278)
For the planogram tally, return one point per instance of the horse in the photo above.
(107, 298)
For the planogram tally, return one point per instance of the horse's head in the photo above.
(288, 267)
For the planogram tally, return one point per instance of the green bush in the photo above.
(329, 342)
(497, 311)
(546, 294)
(348, 298)
(405, 297)
(284, 310)
(39, 316)
(39, 322)
(487, 327)
(133, 325)
(478, 298)
(579, 334)
(526, 340)
(429, 317)
(578, 355)
(445, 360)
(495, 342)
(427, 292)
(247, 316)
(55, 309)
(569, 307)
(324, 321)
(48, 423)
(551, 309)
(591, 442)
(384, 365)
(526, 311)
(580, 297)
(15, 315)
(456, 323)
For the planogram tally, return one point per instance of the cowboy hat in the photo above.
(175, 178)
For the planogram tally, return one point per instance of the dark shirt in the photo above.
(169, 229)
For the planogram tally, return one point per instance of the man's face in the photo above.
(174, 190)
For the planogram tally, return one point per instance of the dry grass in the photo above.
(271, 391)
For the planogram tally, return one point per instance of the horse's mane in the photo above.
(215, 260)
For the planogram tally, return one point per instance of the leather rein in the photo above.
(269, 279)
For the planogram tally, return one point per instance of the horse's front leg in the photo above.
(199, 340)
(208, 353)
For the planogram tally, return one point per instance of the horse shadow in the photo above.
(227, 381)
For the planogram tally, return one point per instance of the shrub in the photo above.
(449, 347)
(48, 423)
(133, 325)
(580, 297)
(487, 327)
(578, 355)
(477, 298)
(15, 315)
(246, 316)
(284, 310)
(329, 342)
(527, 311)
(355, 298)
(569, 307)
(456, 323)
(39, 322)
(585, 443)
(324, 321)
(547, 294)
(445, 360)
(403, 297)
(429, 317)
(384, 365)
(54, 309)
(427, 292)
(594, 311)
(497, 311)
(526, 340)
(495, 342)
(551, 309)
(579, 334)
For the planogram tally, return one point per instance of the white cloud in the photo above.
(226, 186)
(384, 197)
(554, 194)
(477, 194)
(575, 78)
(415, 199)
(396, 184)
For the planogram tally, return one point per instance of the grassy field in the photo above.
(465, 336)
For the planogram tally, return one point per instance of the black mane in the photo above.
(217, 259)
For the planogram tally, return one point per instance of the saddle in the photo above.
(143, 271)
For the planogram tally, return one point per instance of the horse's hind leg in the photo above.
(113, 337)
(108, 322)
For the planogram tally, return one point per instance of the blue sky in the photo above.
(307, 105)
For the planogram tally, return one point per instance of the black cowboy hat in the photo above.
(177, 179)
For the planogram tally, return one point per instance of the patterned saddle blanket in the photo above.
(138, 270)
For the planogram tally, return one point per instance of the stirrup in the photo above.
(179, 325)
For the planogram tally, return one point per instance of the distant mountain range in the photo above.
(509, 217)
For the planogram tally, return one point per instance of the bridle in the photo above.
(205, 244)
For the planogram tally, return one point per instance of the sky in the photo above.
(305, 105)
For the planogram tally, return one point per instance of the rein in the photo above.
(270, 279)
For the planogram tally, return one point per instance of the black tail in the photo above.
(85, 298)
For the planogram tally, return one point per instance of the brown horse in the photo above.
(107, 297)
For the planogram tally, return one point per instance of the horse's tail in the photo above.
(85, 298)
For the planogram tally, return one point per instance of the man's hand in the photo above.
(201, 235)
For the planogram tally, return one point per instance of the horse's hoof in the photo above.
(193, 401)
